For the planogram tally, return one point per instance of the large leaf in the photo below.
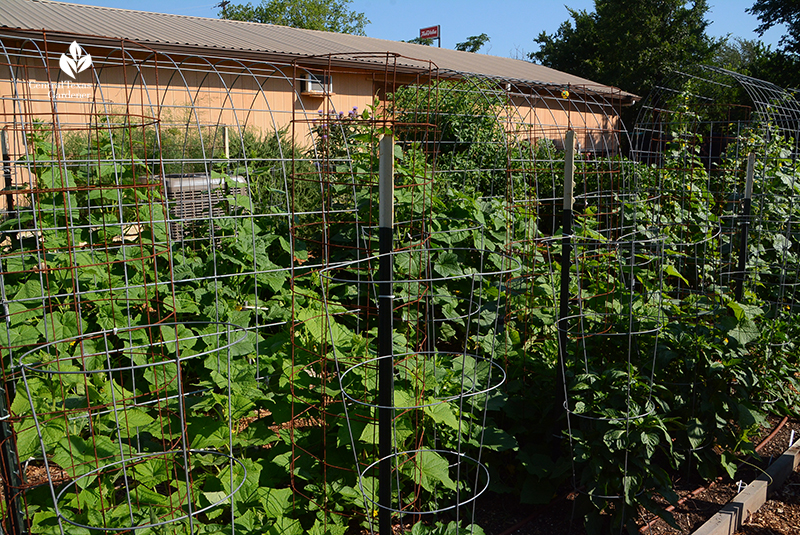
(283, 526)
(431, 470)
(672, 272)
(442, 413)
(78, 456)
(447, 264)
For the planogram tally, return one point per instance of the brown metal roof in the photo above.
(225, 35)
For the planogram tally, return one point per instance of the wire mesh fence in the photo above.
(191, 288)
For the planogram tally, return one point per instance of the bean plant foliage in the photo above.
(690, 396)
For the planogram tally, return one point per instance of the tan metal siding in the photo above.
(206, 33)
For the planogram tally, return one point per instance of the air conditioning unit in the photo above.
(195, 199)
(316, 84)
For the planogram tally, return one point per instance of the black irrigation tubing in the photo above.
(700, 489)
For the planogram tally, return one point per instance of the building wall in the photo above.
(188, 101)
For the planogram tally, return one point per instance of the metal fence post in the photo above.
(566, 253)
(385, 328)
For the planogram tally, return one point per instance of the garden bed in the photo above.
(560, 517)
(780, 515)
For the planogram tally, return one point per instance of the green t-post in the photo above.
(385, 328)
(566, 253)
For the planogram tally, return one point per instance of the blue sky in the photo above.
(510, 24)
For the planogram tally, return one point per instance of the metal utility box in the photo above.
(195, 200)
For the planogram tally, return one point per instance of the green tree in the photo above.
(773, 12)
(473, 43)
(328, 16)
(753, 58)
(630, 45)
(737, 54)
(420, 41)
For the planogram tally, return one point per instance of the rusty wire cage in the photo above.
(161, 190)
(188, 281)
(148, 200)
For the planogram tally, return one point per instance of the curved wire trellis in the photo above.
(693, 138)
(189, 186)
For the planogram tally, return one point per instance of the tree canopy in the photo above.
(473, 43)
(773, 12)
(753, 58)
(630, 45)
(324, 15)
(420, 41)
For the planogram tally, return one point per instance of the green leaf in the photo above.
(27, 439)
(442, 413)
(729, 462)
(744, 331)
(276, 502)
(672, 272)
(284, 526)
(78, 456)
(498, 440)
(696, 433)
(327, 528)
(51, 325)
(747, 417)
(430, 470)
(242, 201)
(131, 420)
(447, 264)
(615, 438)
(204, 432)
(183, 304)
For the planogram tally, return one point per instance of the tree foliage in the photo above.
(630, 45)
(753, 58)
(473, 43)
(420, 41)
(773, 12)
(328, 16)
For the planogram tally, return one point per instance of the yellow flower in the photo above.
(725, 341)
(374, 513)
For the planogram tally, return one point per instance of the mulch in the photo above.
(498, 514)
(780, 515)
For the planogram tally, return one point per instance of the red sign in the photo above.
(429, 33)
